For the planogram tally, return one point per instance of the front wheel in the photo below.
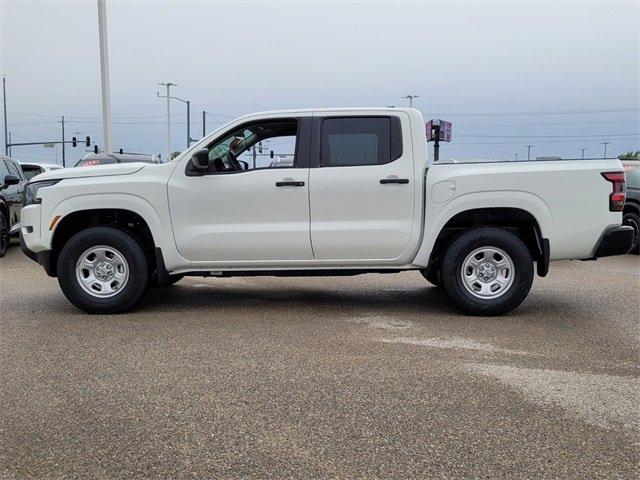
(103, 270)
(487, 271)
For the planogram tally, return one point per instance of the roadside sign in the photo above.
(47, 145)
(440, 130)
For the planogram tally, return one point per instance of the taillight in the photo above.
(619, 194)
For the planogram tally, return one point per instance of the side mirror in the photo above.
(200, 159)
(11, 180)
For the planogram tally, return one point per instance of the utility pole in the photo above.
(104, 75)
(582, 150)
(529, 151)
(188, 123)
(204, 120)
(4, 102)
(63, 156)
(516, 156)
(605, 149)
(410, 97)
(168, 96)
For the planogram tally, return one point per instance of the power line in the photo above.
(550, 112)
(600, 135)
(519, 142)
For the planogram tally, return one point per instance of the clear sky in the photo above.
(557, 75)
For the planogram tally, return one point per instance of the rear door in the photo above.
(362, 187)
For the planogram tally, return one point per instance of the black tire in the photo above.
(127, 246)
(432, 275)
(633, 220)
(521, 276)
(4, 234)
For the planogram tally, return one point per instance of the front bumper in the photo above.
(43, 257)
(614, 241)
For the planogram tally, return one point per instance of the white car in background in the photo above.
(31, 169)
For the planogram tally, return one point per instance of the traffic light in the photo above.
(74, 141)
(88, 142)
(271, 154)
(95, 148)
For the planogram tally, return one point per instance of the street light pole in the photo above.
(63, 156)
(188, 123)
(189, 139)
(4, 102)
(410, 97)
(204, 120)
(605, 149)
(168, 85)
(104, 75)
(529, 151)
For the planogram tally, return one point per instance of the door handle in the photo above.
(385, 181)
(290, 183)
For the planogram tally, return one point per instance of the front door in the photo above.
(252, 205)
(362, 191)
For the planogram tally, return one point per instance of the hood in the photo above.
(97, 171)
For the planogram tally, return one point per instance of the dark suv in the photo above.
(12, 183)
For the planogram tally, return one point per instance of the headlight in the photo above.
(31, 191)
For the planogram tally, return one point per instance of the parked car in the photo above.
(31, 169)
(360, 197)
(93, 159)
(632, 206)
(12, 185)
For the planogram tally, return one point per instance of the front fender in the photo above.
(160, 229)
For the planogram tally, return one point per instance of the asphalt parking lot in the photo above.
(371, 376)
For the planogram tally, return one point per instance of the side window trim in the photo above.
(395, 131)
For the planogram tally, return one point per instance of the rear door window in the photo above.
(359, 141)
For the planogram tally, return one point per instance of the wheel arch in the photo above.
(517, 220)
(125, 219)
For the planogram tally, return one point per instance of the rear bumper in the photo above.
(43, 258)
(614, 241)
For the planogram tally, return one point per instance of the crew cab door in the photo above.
(362, 189)
(252, 205)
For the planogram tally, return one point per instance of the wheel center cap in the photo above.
(487, 271)
(104, 271)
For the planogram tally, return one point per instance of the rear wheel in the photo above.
(633, 220)
(4, 234)
(487, 271)
(103, 270)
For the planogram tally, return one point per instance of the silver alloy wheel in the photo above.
(102, 271)
(487, 272)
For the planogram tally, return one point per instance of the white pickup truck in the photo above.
(359, 196)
